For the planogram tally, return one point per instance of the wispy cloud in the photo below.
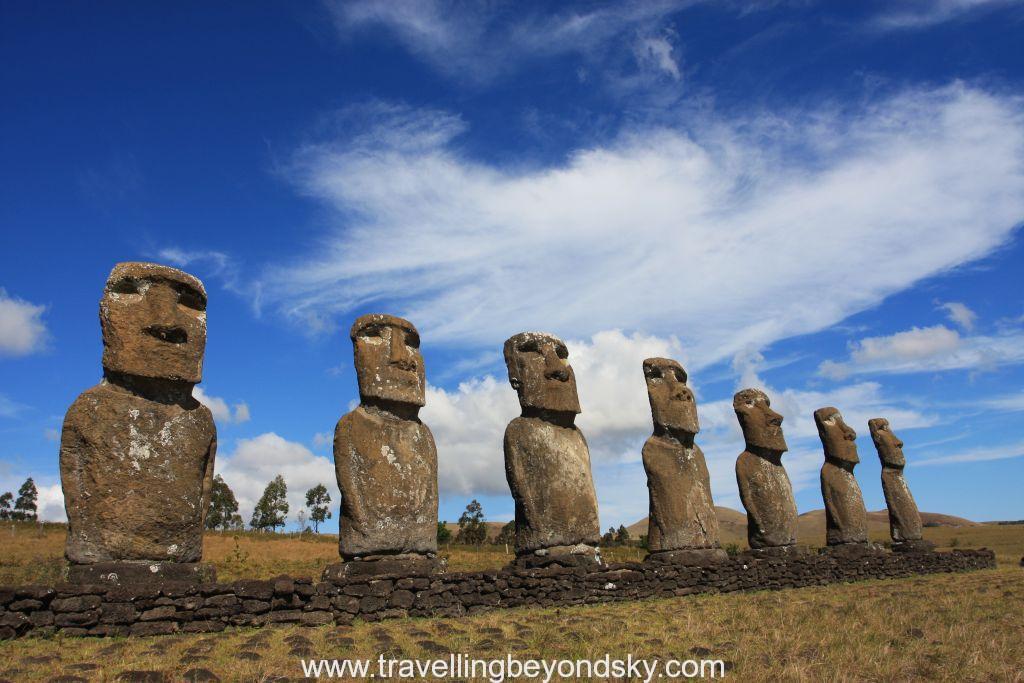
(22, 330)
(928, 349)
(730, 233)
(477, 43)
(1012, 450)
(960, 314)
(917, 14)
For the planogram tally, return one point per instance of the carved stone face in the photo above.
(539, 370)
(388, 361)
(762, 426)
(888, 445)
(672, 402)
(154, 322)
(837, 437)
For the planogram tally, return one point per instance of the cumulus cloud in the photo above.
(255, 462)
(222, 412)
(960, 314)
(927, 349)
(22, 330)
(729, 233)
(480, 42)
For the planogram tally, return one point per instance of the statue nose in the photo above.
(399, 354)
(553, 366)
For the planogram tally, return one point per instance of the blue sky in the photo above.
(821, 199)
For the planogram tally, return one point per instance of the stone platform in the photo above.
(165, 608)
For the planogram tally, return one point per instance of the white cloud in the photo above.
(321, 439)
(9, 407)
(222, 412)
(51, 434)
(50, 501)
(733, 234)
(22, 330)
(255, 462)
(1014, 450)
(928, 349)
(657, 51)
(484, 41)
(1010, 403)
(915, 14)
(960, 314)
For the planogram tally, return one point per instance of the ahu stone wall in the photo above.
(94, 610)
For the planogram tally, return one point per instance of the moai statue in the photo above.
(547, 461)
(385, 458)
(137, 450)
(765, 489)
(846, 519)
(682, 526)
(904, 519)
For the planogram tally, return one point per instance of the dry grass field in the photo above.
(950, 626)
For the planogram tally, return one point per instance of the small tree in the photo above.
(318, 501)
(5, 506)
(25, 506)
(472, 530)
(609, 537)
(223, 512)
(272, 508)
(622, 535)
(444, 534)
(507, 535)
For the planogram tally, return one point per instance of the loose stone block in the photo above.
(905, 526)
(547, 462)
(682, 512)
(765, 489)
(384, 456)
(846, 518)
(137, 450)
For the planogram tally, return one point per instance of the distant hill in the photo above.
(732, 524)
(493, 528)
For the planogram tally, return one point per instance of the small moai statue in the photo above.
(682, 526)
(904, 518)
(547, 462)
(846, 518)
(384, 457)
(765, 489)
(137, 449)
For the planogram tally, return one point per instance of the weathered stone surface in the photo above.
(129, 572)
(547, 462)
(904, 518)
(137, 450)
(682, 512)
(765, 489)
(385, 458)
(846, 518)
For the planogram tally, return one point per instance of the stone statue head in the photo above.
(837, 437)
(539, 370)
(389, 366)
(672, 403)
(154, 322)
(762, 426)
(888, 445)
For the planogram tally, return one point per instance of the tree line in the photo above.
(25, 507)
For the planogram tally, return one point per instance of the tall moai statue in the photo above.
(904, 518)
(682, 525)
(137, 449)
(384, 457)
(846, 518)
(547, 462)
(765, 489)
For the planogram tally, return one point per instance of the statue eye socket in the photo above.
(192, 299)
(412, 340)
(562, 352)
(529, 347)
(680, 376)
(654, 373)
(370, 331)
(125, 285)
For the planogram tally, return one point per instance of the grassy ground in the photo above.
(964, 627)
